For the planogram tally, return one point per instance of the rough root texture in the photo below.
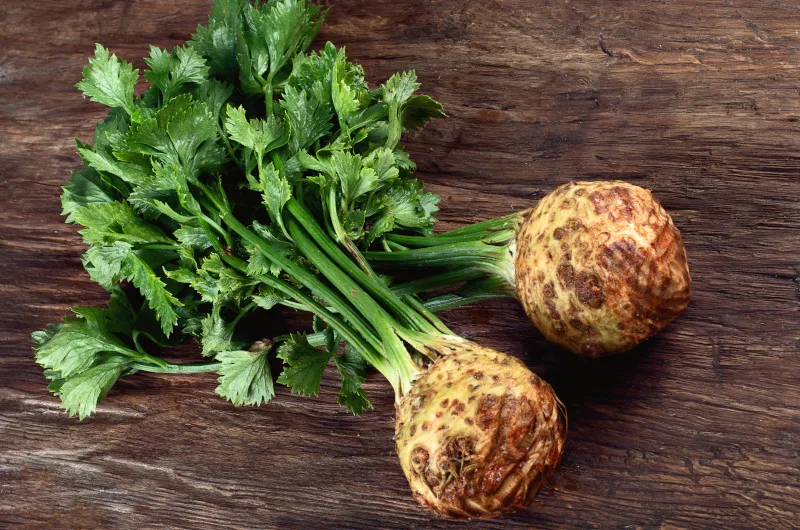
(479, 433)
(600, 267)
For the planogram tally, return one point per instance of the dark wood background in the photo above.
(696, 99)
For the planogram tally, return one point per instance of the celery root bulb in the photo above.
(478, 433)
(600, 267)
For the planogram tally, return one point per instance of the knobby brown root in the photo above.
(479, 433)
(600, 267)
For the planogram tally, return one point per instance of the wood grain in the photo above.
(696, 100)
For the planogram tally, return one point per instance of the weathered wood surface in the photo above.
(697, 100)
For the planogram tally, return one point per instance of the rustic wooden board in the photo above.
(697, 100)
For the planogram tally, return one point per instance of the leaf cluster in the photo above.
(242, 118)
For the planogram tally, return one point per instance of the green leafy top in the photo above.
(242, 108)
(109, 81)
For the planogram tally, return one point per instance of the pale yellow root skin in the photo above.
(600, 267)
(479, 433)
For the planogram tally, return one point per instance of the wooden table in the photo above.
(697, 100)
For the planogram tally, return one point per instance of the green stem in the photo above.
(246, 309)
(326, 215)
(333, 215)
(484, 289)
(268, 96)
(227, 143)
(438, 281)
(489, 237)
(507, 221)
(368, 350)
(492, 237)
(469, 254)
(372, 284)
(204, 226)
(393, 246)
(153, 360)
(293, 305)
(368, 320)
(382, 321)
(372, 355)
(170, 368)
(304, 277)
(427, 313)
(358, 257)
(218, 204)
(363, 338)
(216, 226)
(276, 161)
(139, 353)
